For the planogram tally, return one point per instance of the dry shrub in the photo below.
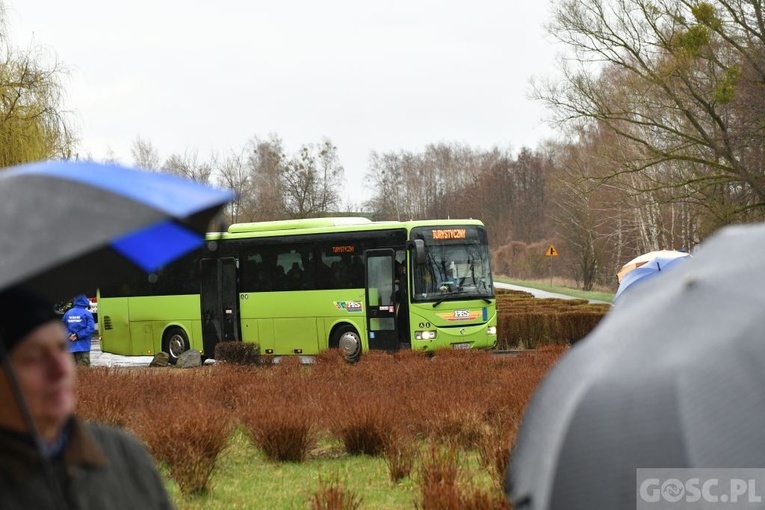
(329, 357)
(188, 438)
(410, 356)
(103, 397)
(529, 323)
(333, 496)
(457, 423)
(373, 407)
(365, 428)
(231, 387)
(438, 473)
(374, 358)
(478, 499)
(238, 353)
(287, 363)
(522, 260)
(283, 433)
(577, 324)
(455, 396)
(494, 451)
(439, 467)
(455, 498)
(400, 454)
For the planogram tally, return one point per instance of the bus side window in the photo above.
(280, 278)
(321, 271)
(342, 271)
(249, 273)
(294, 277)
(357, 272)
(267, 271)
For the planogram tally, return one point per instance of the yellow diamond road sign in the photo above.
(551, 251)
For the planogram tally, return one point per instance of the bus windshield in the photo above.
(457, 264)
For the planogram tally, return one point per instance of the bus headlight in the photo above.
(425, 335)
(491, 330)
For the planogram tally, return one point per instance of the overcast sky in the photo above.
(207, 76)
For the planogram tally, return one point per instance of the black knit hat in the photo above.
(22, 311)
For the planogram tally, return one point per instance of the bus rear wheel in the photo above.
(174, 343)
(347, 339)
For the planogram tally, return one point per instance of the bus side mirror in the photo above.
(418, 245)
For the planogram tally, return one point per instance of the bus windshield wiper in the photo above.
(447, 296)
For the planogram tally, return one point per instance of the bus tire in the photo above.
(174, 343)
(347, 339)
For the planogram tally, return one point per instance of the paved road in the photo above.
(535, 292)
(105, 359)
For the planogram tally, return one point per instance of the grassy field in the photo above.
(244, 478)
(403, 430)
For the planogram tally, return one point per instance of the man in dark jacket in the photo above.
(80, 326)
(63, 462)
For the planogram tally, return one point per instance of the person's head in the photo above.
(34, 340)
(81, 301)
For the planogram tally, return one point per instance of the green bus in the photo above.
(298, 287)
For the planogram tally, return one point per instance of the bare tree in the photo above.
(311, 181)
(189, 166)
(529, 186)
(266, 163)
(440, 182)
(577, 214)
(111, 157)
(235, 176)
(386, 174)
(497, 195)
(664, 76)
(145, 155)
(330, 172)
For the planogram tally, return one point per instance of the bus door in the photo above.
(380, 300)
(219, 302)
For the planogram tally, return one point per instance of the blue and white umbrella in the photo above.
(647, 266)
(68, 227)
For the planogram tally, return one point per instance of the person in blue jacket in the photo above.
(80, 326)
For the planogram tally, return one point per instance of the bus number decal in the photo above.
(348, 306)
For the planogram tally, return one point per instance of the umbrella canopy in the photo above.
(646, 257)
(67, 227)
(649, 267)
(671, 378)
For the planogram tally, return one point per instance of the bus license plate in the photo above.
(461, 346)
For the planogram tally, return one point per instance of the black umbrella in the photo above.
(70, 226)
(67, 227)
(673, 377)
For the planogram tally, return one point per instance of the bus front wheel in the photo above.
(174, 343)
(348, 341)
